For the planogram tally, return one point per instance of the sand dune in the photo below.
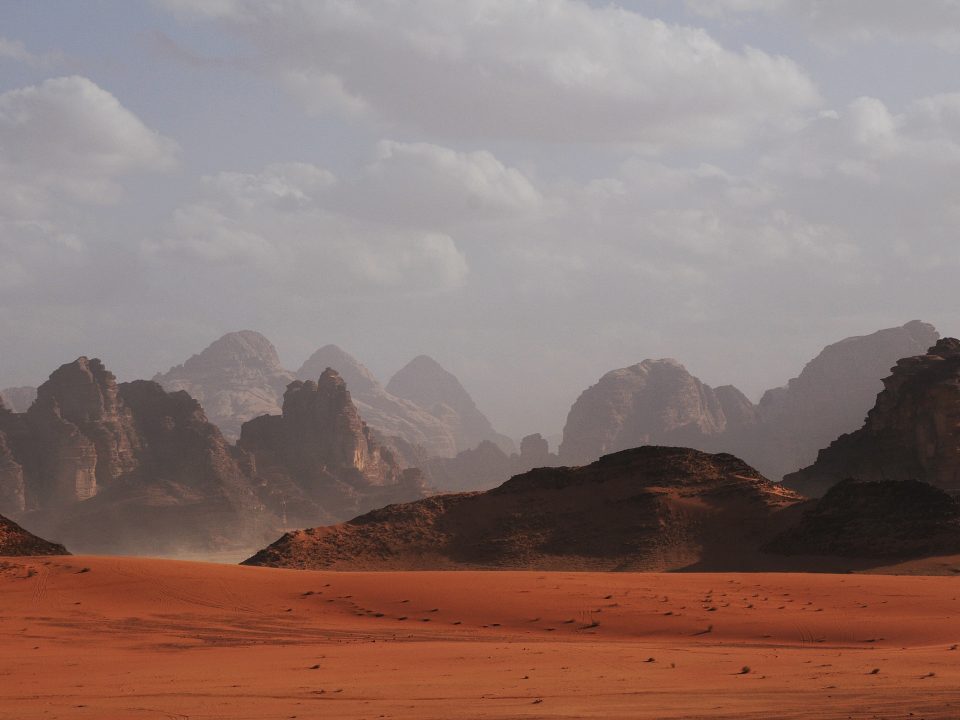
(94, 637)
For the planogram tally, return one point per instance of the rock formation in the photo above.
(18, 399)
(487, 465)
(425, 382)
(12, 489)
(237, 378)
(651, 508)
(831, 396)
(383, 411)
(883, 520)
(14, 540)
(658, 401)
(128, 468)
(912, 433)
(319, 460)
(654, 402)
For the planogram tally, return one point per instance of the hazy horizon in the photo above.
(532, 193)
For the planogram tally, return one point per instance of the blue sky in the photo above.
(532, 192)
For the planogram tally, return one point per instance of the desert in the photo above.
(109, 637)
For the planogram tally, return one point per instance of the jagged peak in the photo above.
(356, 375)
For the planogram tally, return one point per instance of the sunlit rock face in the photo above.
(318, 461)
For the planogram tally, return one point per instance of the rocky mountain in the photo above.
(658, 401)
(318, 459)
(425, 382)
(127, 468)
(235, 379)
(388, 414)
(653, 402)
(884, 519)
(650, 508)
(14, 540)
(832, 395)
(18, 399)
(912, 432)
(487, 465)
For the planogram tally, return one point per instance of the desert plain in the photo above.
(111, 637)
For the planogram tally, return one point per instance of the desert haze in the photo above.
(442, 359)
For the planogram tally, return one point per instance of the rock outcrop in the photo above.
(888, 519)
(659, 401)
(832, 396)
(487, 465)
(388, 414)
(653, 402)
(912, 432)
(14, 540)
(128, 468)
(318, 461)
(13, 498)
(237, 378)
(650, 508)
(18, 399)
(425, 382)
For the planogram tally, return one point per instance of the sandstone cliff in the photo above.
(318, 461)
(128, 468)
(832, 395)
(651, 508)
(14, 540)
(654, 402)
(912, 432)
(388, 414)
(425, 382)
(237, 378)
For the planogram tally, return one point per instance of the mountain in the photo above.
(832, 395)
(18, 399)
(487, 465)
(912, 432)
(658, 401)
(653, 402)
(318, 459)
(387, 413)
(129, 468)
(886, 519)
(425, 382)
(14, 540)
(237, 378)
(650, 508)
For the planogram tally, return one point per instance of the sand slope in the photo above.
(84, 637)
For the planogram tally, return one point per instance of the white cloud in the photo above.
(284, 229)
(68, 139)
(15, 50)
(544, 70)
(65, 145)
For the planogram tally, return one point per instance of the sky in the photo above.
(533, 192)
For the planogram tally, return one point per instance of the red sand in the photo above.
(94, 637)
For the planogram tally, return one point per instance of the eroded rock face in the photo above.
(12, 489)
(318, 459)
(388, 414)
(237, 378)
(425, 382)
(126, 468)
(487, 465)
(653, 402)
(912, 432)
(14, 540)
(650, 508)
(82, 433)
(832, 395)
